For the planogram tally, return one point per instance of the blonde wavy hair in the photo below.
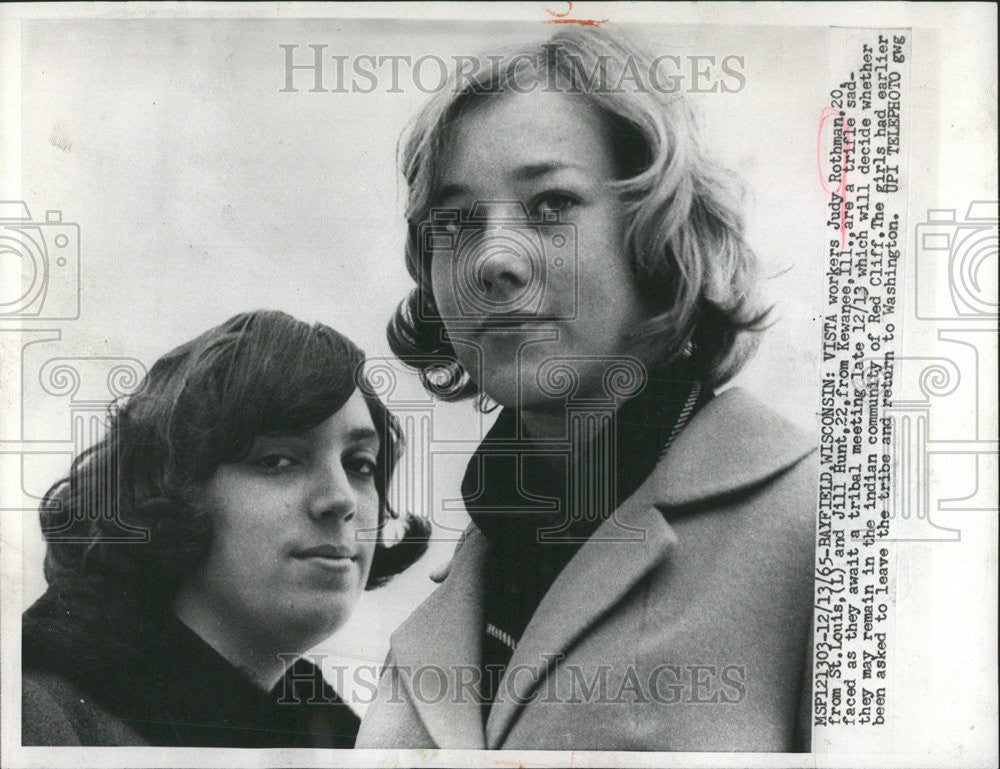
(684, 232)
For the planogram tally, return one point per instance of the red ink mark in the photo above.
(560, 18)
(841, 189)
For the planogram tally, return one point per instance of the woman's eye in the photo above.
(273, 462)
(559, 202)
(363, 466)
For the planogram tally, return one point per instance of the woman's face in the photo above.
(551, 152)
(293, 530)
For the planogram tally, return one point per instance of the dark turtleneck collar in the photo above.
(146, 667)
(517, 490)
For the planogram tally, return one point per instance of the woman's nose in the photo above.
(500, 268)
(331, 494)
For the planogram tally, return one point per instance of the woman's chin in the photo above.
(307, 636)
(514, 387)
(308, 625)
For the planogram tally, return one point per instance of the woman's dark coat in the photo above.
(102, 668)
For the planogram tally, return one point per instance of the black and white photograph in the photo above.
(473, 384)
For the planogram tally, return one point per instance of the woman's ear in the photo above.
(440, 574)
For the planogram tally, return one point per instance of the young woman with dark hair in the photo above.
(255, 460)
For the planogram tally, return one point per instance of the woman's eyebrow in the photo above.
(359, 434)
(449, 192)
(526, 173)
(533, 171)
(265, 444)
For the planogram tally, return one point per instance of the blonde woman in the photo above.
(638, 582)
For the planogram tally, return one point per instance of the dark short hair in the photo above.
(201, 406)
(684, 226)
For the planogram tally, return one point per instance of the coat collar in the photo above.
(627, 546)
(733, 444)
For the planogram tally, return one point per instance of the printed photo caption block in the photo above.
(861, 157)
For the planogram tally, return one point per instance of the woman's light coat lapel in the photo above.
(602, 572)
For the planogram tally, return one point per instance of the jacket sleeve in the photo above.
(392, 721)
(43, 720)
(54, 712)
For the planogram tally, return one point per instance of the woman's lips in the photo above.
(507, 320)
(514, 321)
(328, 555)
